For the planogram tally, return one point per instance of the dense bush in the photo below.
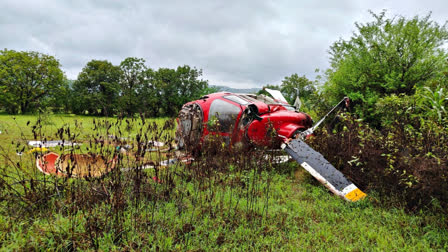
(385, 57)
(407, 159)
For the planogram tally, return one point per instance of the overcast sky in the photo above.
(235, 43)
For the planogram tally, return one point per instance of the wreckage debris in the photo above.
(74, 165)
(88, 165)
(118, 138)
(38, 149)
(278, 159)
(168, 162)
(164, 163)
(51, 143)
(156, 143)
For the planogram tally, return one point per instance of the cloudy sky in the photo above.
(235, 43)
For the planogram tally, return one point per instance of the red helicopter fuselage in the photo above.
(246, 118)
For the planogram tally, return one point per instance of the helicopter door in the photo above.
(222, 117)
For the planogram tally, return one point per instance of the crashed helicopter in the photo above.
(241, 119)
(248, 119)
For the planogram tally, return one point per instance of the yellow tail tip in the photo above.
(355, 195)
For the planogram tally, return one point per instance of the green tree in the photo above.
(292, 84)
(383, 57)
(28, 80)
(60, 101)
(176, 87)
(150, 95)
(97, 89)
(190, 86)
(134, 75)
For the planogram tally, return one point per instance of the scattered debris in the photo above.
(186, 160)
(74, 165)
(119, 138)
(52, 143)
(46, 164)
(38, 149)
(156, 144)
(157, 149)
(168, 162)
(150, 165)
(156, 179)
(127, 147)
(278, 159)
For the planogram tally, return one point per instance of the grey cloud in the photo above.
(237, 43)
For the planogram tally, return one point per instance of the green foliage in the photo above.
(168, 89)
(395, 107)
(424, 105)
(28, 80)
(386, 56)
(135, 88)
(134, 74)
(97, 89)
(178, 86)
(434, 102)
(61, 100)
(292, 84)
(406, 159)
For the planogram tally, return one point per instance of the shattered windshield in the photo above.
(222, 116)
(236, 99)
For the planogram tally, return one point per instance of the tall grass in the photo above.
(225, 199)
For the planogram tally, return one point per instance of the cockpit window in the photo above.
(222, 116)
(236, 99)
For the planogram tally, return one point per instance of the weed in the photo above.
(226, 199)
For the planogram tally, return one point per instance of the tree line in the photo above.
(32, 81)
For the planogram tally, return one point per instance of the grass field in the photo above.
(222, 201)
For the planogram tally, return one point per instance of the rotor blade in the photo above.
(276, 94)
(312, 129)
(322, 170)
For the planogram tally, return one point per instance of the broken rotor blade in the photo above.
(311, 130)
(276, 94)
(322, 170)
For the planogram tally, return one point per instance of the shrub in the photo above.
(407, 159)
